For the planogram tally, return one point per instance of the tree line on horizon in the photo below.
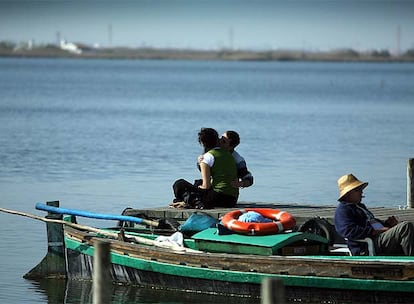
(8, 48)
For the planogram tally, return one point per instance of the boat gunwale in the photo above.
(253, 277)
(133, 248)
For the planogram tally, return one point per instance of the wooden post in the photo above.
(272, 291)
(410, 183)
(55, 232)
(53, 264)
(101, 276)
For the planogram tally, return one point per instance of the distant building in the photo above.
(70, 47)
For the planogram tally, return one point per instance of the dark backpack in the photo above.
(321, 226)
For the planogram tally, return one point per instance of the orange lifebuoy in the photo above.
(281, 221)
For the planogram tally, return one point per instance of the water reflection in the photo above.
(81, 292)
(52, 290)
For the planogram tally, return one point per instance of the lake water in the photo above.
(102, 135)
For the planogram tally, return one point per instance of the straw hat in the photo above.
(347, 183)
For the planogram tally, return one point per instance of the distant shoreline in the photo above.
(345, 55)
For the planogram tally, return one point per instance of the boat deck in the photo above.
(299, 211)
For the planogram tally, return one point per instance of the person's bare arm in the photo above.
(205, 175)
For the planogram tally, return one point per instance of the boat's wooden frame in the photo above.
(137, 259)
(238, 274)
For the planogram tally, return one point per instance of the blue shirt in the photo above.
(242, 171)
(352, 221)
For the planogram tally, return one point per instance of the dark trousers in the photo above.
(183, 191)
(181, 187)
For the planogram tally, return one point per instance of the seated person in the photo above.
(229, 141)
(218, 171)
(354, 221)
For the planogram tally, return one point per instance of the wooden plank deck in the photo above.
(300, 212)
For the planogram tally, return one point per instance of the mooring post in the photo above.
(53, 264)
(410, 183)
(272, 291)
(55, 242)
(101, 275)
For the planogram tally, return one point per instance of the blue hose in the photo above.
(58, 210)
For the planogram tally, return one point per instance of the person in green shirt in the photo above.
(218, 171)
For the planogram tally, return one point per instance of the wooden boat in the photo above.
(228, 264)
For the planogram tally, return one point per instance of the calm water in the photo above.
(103, 135)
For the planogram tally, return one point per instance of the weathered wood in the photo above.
(248, 291)
(302, 266)
(88, 214)
(272, 291)
(102, 282)
(55, 232)
(94, 230)
(410, 183)
(301, 212)
(53, 264)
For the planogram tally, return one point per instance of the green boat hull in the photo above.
(150, 271)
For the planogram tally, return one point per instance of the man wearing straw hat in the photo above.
(354, 221)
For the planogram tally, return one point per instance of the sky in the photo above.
(312, 25)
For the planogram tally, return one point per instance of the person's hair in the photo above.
(208, 138)
(234, 138)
